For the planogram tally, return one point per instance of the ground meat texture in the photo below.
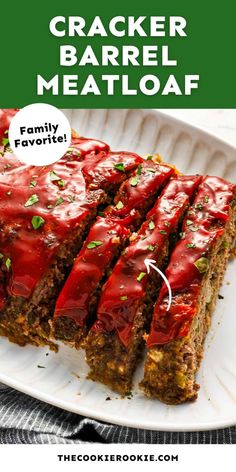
(176, 340)
(46, 213)
(128, 295)
(137, 194)
(78, 298)
(77, 301)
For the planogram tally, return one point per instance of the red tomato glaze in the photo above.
(127, 284)
(58, 197)
(100, 248)
(202, 226)
(144, 183)
(6, 115)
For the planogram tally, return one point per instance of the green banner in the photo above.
(126, 54)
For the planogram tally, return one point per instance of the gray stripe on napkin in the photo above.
(24, 420)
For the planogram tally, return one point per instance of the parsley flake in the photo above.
(119, 205)
(8, 264)
(123, 298)
(139, 169)
(37, 221)
(151, 248)
(94, 244)
(59, 201)
(61, 183)
(71, 198)
(202, 264)
(5, 141)
(134, 181)
(141, 276)
(53, 176)
(119, 166)
(151, 225)
(32, 200)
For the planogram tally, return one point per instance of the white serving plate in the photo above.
(192, 150)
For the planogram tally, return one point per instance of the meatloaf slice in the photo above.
(195, 273)
(77, 302)
(115, 340)
(45, 215)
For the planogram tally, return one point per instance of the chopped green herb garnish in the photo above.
(151, 225)
(182, 235)
(53, 176)
(206, 199)
(124, 297)
(151, 248)
(50, 207)
(94, 244)
(189, 222)
(119, 166)
(32, 184)
(59, 201)
(1, 255)
(37, 222)
(225, 244)
(149, 157)
(119, 205)
(8, 264)
(151, 170)
(166, 223)
(41, 366)
(100, 213)
(32, 200)
(162, 231)
(5, 141)
(191, 246)
(7, 166)
(71, 198)
(194, 228)
(202, 264)
(61, 183)
(199, 206)
(139, 169)
(134, 181)
(74, 151)
(141, 276)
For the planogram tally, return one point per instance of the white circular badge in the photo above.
(39, 134)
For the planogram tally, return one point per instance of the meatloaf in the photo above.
(114, 341)
(76, 306)
(45, 214)
(195, 272)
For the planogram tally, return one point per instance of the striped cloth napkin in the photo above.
(24, 420)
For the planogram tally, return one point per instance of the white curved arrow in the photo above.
(151, 263)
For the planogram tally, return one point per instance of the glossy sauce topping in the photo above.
(41, 206)
(111, 169)
(6, 115)
(101, 246)
(126, 287)
(203, 224)
(107, 236)
(134, 193)
(38, 209)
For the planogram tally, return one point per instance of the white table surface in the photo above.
(218, 121)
